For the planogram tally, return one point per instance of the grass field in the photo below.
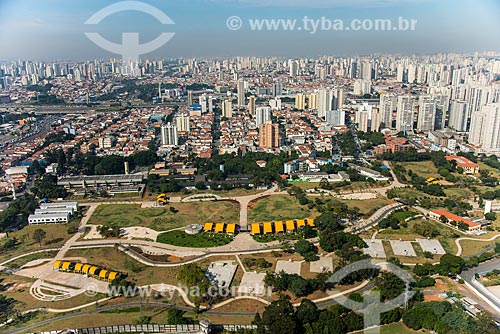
(446, 235)
(278, 208)
(161, 218)
(56, 236)
(114, 259)
(423, 168)
(471, 247)
(368, 205)
(223, 193)
(17, 287)
(202, 240)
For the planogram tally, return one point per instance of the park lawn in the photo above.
(446, 236)
(202, 240)
(162, 218)
(112, 258)
(472, 247)
(279, 207)
(157, 314)
(495, 172)
(460, 193)
(366, 206)
(424, 169)
(397, 328)
(223, 193)
(28, 258)
(56, 236)
(17, 287)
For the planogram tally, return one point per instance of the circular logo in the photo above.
(234, 23)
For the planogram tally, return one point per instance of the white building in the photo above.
(426, 113)
(485, 129)
(335, 117)
(262, 115)
(405, 113)
(227, 109)
(183, 123)
(50, 218)
(459, 115)
(169, 135)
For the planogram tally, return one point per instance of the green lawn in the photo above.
(202, 240)
(423, 168)
(162, 218)
(278, 208)
(56, 236)
(366, 206)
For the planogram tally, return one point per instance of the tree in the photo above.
(307, 312)
(176, 317)
(279, 317)
(389, 285)
(39, 235)
(305, 248)
(451, 264)
(200, 185)
(328, 220)
(490, 216)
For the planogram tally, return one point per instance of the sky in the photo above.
(55, 29)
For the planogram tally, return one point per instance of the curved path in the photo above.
(459, 246)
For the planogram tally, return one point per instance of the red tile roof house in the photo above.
(468, 166)
(473, 227)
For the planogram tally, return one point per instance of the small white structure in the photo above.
(72, 205)
(49, 218)
(54, 211)
(487, 206)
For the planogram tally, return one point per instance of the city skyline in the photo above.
(54, 30)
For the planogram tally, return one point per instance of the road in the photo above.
(469, 277)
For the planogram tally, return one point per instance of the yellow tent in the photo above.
(231, 228)
(219, 228)
(255, 228)
(300, 223)
(268, 228)
(290, 226)
(278, 227)
(78, 267)
(56, 264)
(93, 270)
(102, 274)
(112, 275)
(65, 265)
(310, 222)
(86, 268)
(208, 227)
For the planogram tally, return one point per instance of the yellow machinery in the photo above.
(162, 199)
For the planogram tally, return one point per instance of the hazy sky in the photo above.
(54, 29)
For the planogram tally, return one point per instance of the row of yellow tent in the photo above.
(219, 228)
(281, 226)
(85, 269)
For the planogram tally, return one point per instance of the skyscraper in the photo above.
(426, 113)
(269, 135)
(325, 100)
(183, 123)
(277, 89)
(241, 93)
(363, 117)
(300, 101)
(294, 68)
(251, 105)
(485, 129)
(262, 115)
(335, 117)
(459, 114)
(405, 113)
(312, 101)
(387, 106)
(169, 136)
(227, 108)
(190, 97)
